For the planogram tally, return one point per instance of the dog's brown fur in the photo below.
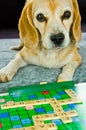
(35, 50)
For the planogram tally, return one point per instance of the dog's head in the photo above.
(51, 22)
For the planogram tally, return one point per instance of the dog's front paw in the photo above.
(6, 75)
(62, 77)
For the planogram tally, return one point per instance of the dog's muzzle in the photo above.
(57, 39)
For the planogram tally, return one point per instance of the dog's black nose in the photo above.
(57, 39)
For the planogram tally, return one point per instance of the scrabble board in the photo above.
(51, 106)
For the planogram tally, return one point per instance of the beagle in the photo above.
(49, 30)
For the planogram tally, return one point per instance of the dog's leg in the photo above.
(7, 73)
(68, 71)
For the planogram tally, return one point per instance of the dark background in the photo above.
(10, 11)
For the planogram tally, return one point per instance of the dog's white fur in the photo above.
(36, 46)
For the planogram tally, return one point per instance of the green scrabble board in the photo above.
(51, 106)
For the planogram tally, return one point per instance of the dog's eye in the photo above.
(41, 18)
(66, 15)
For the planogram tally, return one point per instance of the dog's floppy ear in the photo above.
(28, 33)
(76, 28)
